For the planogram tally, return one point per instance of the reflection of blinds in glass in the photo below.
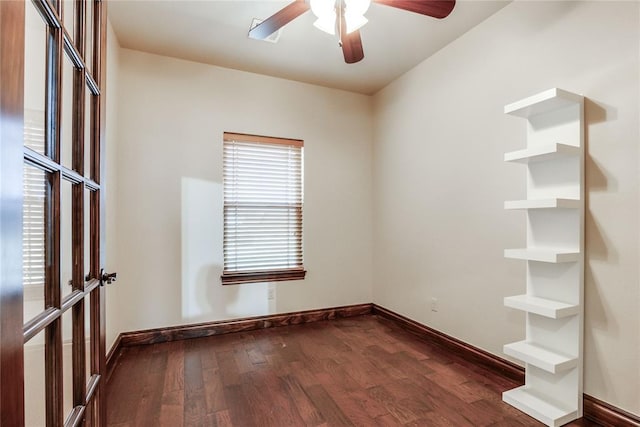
(34, 130)
(33, 211)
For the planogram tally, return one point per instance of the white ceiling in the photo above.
(215, 32)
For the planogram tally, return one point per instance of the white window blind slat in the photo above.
(263, 198)
(33, 205)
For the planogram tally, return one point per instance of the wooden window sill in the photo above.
(234, 278)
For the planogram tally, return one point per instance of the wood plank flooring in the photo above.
(360, 371)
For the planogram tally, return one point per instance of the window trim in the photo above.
(245, 137)
(236, 278)
(258, 276)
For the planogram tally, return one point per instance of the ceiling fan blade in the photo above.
(434, 8)
(352, 47)
(278, 20)
(351, 43)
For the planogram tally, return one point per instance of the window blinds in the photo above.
(262, 204)
(33, 205)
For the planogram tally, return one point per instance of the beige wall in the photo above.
(171, 115)
(111, 183)
(439, 180)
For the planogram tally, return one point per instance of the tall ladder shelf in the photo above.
(553, 302)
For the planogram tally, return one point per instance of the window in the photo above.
(262, 209)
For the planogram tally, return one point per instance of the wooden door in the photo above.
(52, 334)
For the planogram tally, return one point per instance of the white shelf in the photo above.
(542, 306)
(529, 403)
(543, 255)
(540, 357)
(552, 350)
(543, 204)
(541, 153)
(547, 101)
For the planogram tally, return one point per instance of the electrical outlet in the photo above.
(271, 294)
(434, 304)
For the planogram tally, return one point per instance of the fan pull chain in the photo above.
(340, 8)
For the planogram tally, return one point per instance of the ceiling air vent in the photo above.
(273, 38)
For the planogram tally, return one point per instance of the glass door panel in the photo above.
(36, 186)
(87, 234)
(87, 338)
(69, 13)
(35, 53)
(34, 381)
(67, 363)
(66, 149)
(88, 143)
(66, 230)
(89, 31)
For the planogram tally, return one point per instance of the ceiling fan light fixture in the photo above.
(357, 7)
(354, 21)
(326, 24)
(325, 11)
(323, 8)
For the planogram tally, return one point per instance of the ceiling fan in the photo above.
(345, 17)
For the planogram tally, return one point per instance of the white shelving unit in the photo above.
(553, 302)
(542, 153)
(543, 204)
(543, 254)
(542, 306)
(540, 357)
(527, 401)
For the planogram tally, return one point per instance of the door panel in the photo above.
(51, 303)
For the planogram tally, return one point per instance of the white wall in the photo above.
(171, 116)
(111, 184)
(439, 180)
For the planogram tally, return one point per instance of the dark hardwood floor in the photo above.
(361, 371)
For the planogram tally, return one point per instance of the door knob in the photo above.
(107, 278)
